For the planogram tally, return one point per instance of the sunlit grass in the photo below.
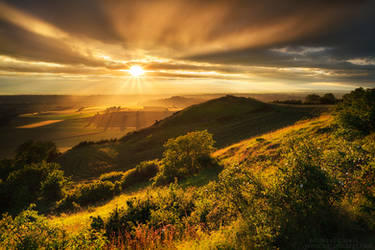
(230, 155)
(236, 152)
(74, 222)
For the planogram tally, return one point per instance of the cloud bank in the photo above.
(253, 44)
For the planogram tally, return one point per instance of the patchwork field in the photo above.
(69, 127)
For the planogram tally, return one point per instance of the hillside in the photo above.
(174, 101)
(230, 119)
(250, 149)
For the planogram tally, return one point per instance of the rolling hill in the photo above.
(265, 150)
(230, 119)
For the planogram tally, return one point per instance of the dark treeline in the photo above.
(312, 99)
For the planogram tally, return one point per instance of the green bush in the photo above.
(141, 173)
(54, 186)
(357, 111)
(36, 151)
(94, 192)
(88, 194)
(184, 156)
(42, 183)
(302, 197)
(158, 209)
(28, 230)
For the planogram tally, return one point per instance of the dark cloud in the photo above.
(19, 43)
(335, 36)
(349, 36)
(81, 18)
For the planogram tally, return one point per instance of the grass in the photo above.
(76, 221)
(268, 143)
(230, 119)
(233, 154)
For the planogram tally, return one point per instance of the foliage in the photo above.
(313, 99)
(28, 230)
(327, 98)
(36, 151)
(357, 111)
(111, 176)
(141, 173)
(185, 155)
(158, 212)
(54, 186)
(40, 182)
(309, 183)
(88, 194)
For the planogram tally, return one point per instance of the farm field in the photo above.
(66, 129)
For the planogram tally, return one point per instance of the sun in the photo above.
(136, 71)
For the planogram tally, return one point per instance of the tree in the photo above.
(328, 98)
(32, 183)
(53, 187)
(185, 155)
(312, 99)
(357, 111)
(36, 151)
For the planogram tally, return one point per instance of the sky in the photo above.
(185, 46)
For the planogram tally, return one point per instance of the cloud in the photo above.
(296, 42)
(362, 61)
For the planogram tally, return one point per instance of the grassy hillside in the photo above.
(260, 157)
(306, 185)
(267, 147)
(244, 151)
(230, 119)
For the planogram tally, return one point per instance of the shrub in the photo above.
(157, 210)
(28, 230)
(357, 111)
(301, 198)
(88, 194)
(94, 192)
(35, 182)
(141, 173)
(35, 152)
(184, 155)
(53, 187)
(112, 176)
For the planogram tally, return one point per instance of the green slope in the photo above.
(230, 119)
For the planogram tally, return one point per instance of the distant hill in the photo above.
(174, 101)
(230, 119)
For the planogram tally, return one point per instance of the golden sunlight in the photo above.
(136, 71)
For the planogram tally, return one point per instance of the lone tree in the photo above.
(185, 155)
(357, 110)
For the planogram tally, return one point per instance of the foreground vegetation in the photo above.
(295, 188)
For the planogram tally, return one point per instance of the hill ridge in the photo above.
(230, 119)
